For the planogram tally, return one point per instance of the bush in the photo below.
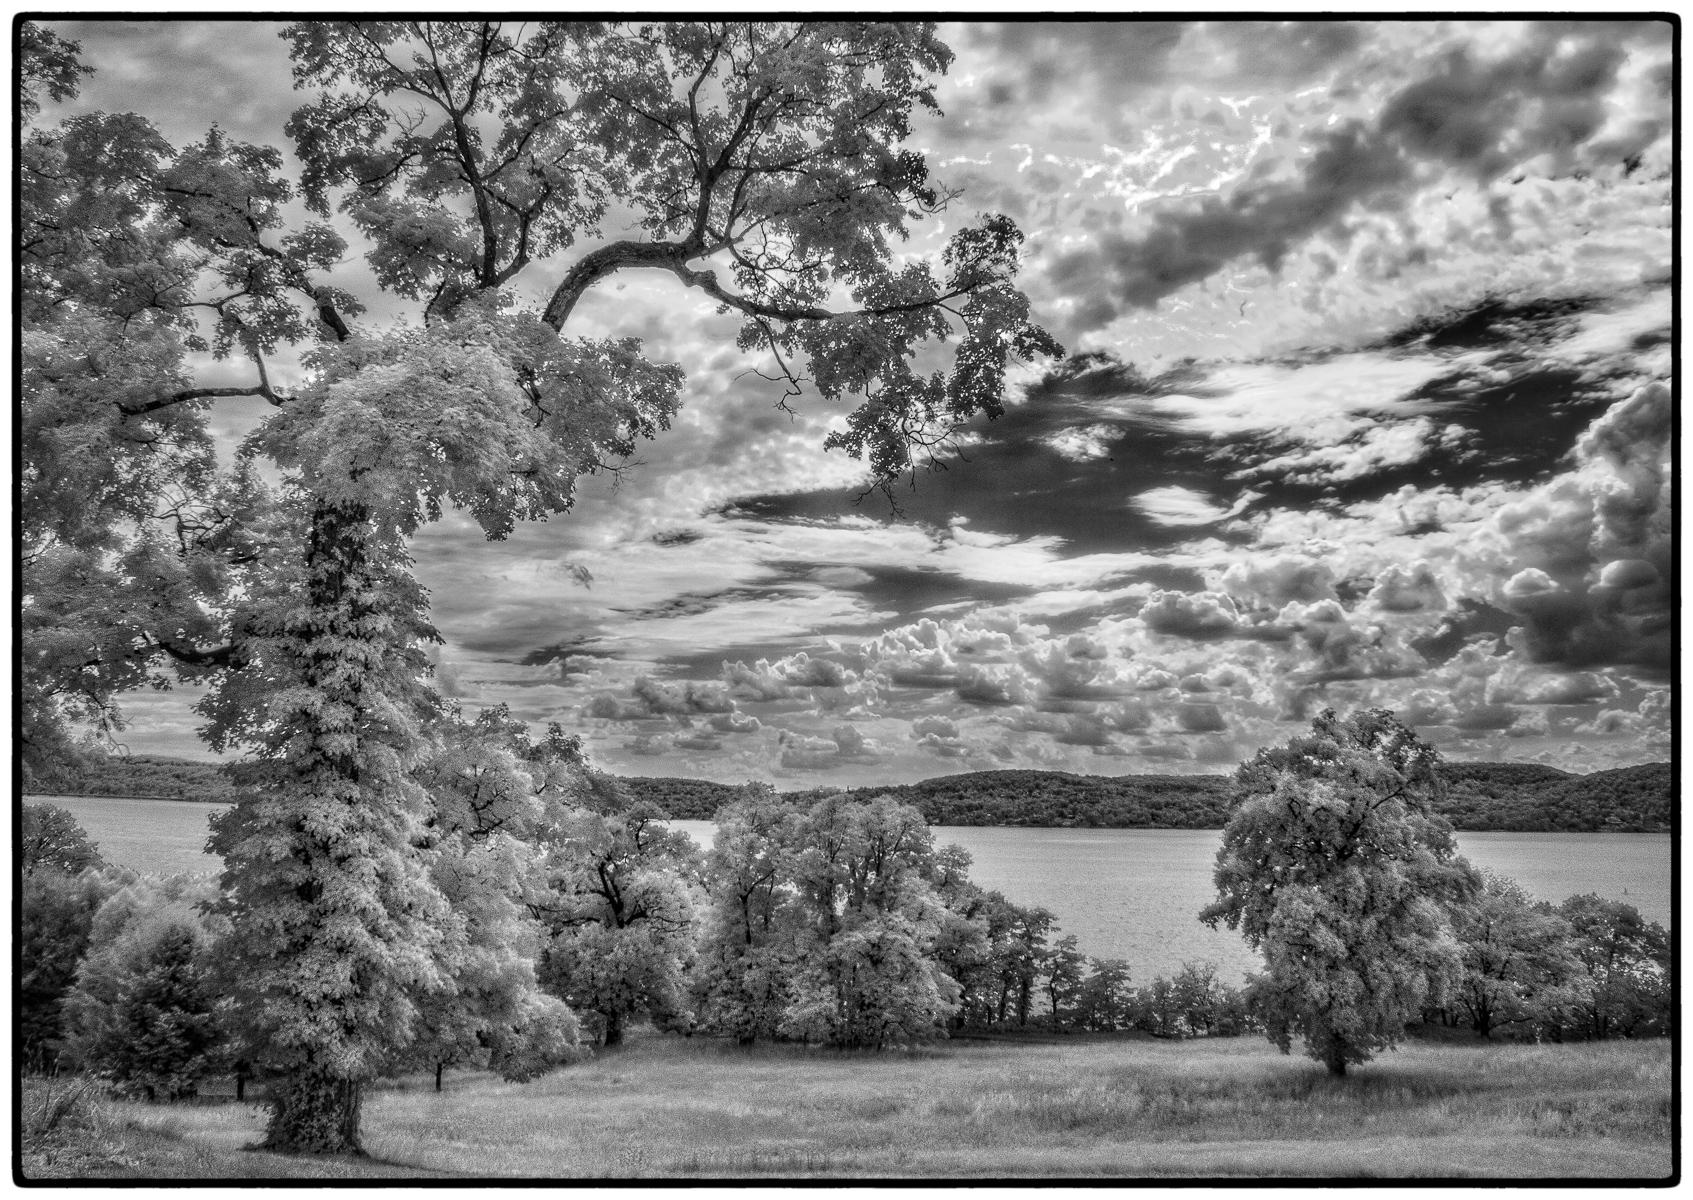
(55, 918)
(145, 1012)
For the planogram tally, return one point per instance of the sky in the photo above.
(1368, 404)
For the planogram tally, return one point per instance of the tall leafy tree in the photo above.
(1337, 867)
(745, 958)
(760, 164)
(1520, 962)
(1622, 984)
(1062, 975)
(618, 909)
(487, 786)
(869, 920)
(1105, 1000)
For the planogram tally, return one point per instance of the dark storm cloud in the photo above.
(1479, 119)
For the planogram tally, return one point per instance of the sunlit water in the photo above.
(1125, 893)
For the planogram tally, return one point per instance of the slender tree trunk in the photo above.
(437, 1076)
(613, 1029)
(315, 1112)
(1336, 1061)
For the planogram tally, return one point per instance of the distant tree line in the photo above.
(140, 776)
(1507, 797)
(1511, 797)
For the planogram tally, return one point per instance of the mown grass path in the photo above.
(666, 1107)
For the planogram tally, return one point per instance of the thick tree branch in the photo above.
(261, 388)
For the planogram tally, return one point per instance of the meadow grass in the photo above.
(664, 1107)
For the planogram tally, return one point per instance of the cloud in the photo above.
(1561, 688)
(1083, 443)
(1412, 589)
(1179, 506)
(1278, 580)
(1200, 718)
(843, 748)
(1593, 548)
(1200, 616)
(1538, 101)
(1370, 451)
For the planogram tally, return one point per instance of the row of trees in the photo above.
(575, 910)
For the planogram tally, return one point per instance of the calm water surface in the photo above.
(1125, 893)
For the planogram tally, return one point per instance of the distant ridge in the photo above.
(1507, 797)
(1503, 797)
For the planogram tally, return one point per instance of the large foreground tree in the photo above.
(761, 164)
(1337, 866)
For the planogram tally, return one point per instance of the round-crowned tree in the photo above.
(1337, 866)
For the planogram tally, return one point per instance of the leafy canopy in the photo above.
(1336, 864)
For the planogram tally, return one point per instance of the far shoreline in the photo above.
(29, 796)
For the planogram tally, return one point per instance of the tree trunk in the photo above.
(1336, 1061)
(314, 1112)
(613, 1029)
(437, 1076)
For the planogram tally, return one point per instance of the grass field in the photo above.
(671, 1108)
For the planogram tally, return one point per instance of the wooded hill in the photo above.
(1519, 797)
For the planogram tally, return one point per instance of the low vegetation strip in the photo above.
(671, 1108)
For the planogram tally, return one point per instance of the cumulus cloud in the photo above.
(1412, 589)
(1561, 688)
(1199, 616)
(1276, 580)
(784, 677)
(844, 747)
(1593, 548)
